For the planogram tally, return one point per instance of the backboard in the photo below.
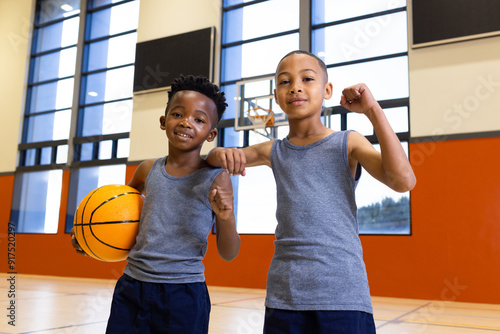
(255, 99)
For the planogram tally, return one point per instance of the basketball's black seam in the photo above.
(92, 215)
(106, 223)
(83, 235)
(90, 223)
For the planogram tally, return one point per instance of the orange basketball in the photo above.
(107, 221)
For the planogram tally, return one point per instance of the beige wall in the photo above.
(454, 88)
(157, 19)
(15, 30)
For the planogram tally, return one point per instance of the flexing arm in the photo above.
(234, 160)
(390, 166)
(222, 201)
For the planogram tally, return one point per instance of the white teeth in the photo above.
(182, 135)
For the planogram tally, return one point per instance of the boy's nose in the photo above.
(185, 123)
(295, 89)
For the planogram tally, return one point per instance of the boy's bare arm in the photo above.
(222, 202)
(235, 160)
(141, 173)
(390, 166)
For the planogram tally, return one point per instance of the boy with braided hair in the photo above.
(163, 287)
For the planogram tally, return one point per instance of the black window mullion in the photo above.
(46, 52)
(246, 138)
(358, 18)
(38, 156)
(367, 60)
(22, 158)
(106, 69)
(39, 83)
(75, 151)
(95, 151)
(104, 7)
(241, 5)
(114, 149)
(260, 38)
(37, 25)
(343, 122)
(53, 157)
(93, 104)
(107, 37)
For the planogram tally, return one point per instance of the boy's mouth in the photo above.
(297, 101)
(182, 135)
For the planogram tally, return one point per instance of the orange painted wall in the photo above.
(454, 250)
(452, 254)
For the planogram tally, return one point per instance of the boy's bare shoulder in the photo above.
(222, 180)
(145, 166)
(147, 163)
(356, 139)
(140, 175)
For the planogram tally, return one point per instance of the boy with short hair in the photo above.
(163, 287)
(317, 280)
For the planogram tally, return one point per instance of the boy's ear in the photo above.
(162, 123)
(212, 135)
(328, 90)
(275, 96)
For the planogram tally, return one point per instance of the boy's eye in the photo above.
(308, 79)
(284, 82)
(199, 120)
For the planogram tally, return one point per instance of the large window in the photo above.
(78, 107)
(360, 41)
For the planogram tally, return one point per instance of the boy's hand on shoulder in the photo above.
(232, 160)
(359, 99)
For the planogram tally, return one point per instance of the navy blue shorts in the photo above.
(318, 322)
(141, 307)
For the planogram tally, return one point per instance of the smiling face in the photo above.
(301, 86)
(190, 120)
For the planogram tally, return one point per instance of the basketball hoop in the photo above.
(261, 120)
(255, 109)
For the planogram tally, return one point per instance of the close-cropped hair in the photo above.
(201, 85)
(320, 61)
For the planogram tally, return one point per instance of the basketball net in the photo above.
(261, 119)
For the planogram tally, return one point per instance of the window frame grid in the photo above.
(58, 155)
(24, 146)
(78, 139)
(74, 141)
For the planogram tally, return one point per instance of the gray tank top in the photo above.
(318, 260)
(175, 222)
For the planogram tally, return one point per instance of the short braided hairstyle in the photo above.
(201, 85)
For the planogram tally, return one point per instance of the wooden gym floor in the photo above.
(57, 305)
